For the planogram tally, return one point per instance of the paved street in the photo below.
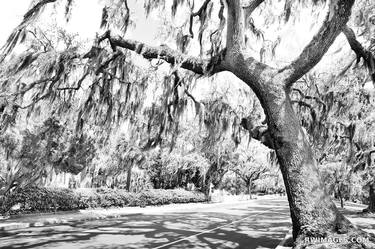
(248, 224)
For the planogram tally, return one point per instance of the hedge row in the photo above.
(37, 199)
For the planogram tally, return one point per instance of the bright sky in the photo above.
(85, 19)
(11, 13)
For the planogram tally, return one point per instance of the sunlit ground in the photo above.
(249, 224)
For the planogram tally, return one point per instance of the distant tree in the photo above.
(30, 155)
(336, 109)
(336, 176)
(249, 169)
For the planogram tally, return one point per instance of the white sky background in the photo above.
(11, 13)
(85, 19)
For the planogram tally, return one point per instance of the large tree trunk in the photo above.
(312, 211)
(213, 176)
(206, 188)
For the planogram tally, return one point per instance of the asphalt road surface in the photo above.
(251, 224)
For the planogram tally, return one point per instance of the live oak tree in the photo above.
(107, 64)
(250, 168)
(126, 155)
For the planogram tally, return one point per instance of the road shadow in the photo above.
(264, 230)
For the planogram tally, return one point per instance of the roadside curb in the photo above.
(54, 221)
(285, 243)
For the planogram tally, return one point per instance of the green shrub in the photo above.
(39, 199)
(34, 199)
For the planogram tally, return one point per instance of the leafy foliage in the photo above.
(250, 165)
(37, 199)
(30, 154)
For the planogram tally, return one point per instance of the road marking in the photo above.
(210, 230)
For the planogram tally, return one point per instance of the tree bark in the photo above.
(129, 178)
(371, 206)
(249, 189)
(312, 210)
(214, 176)
(341, 197)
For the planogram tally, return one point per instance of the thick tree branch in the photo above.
(364, 159)
(36, 9)
(337, 17)
(235, 27)
(191, 63)
(245, 67)
(360, 51)
(249, 9)
(249, 23)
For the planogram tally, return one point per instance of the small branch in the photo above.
(78, 85)
(198, 13)
(106, 63)
(28, 88)
(54, 80)
(302, 103)
(45, 46)
(251, 7)
(192, 97)
(127, 16)
(311, 97)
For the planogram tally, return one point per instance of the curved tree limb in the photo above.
(250, 7)
(360, 51)
(337, 17)
(191, 63)
(245, 67)
(235, 27)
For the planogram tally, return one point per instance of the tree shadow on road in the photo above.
(200, 230)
